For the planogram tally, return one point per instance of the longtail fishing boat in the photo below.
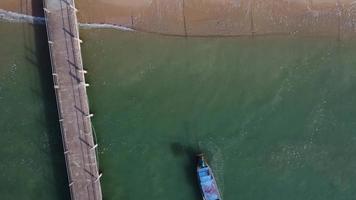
(208, 186)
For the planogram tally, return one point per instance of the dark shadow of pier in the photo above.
(37, 53)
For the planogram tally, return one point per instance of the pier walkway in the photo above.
(72, 102)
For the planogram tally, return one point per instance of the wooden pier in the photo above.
(72, 101)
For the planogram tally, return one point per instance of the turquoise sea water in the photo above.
(274, 115)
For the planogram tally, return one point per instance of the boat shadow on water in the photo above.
(189, 153)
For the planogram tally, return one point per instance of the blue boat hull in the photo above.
(207, 182)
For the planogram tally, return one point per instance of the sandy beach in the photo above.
(336, 18)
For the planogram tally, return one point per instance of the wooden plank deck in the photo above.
(72, 100)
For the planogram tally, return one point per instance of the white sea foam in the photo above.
(105, 26)
(10, 16)
(17, 17)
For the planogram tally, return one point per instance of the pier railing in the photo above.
(81, 162)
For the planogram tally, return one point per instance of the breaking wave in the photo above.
(17, 17)
(104, 26)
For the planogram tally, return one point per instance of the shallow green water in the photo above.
(31, 163)
(275, 116)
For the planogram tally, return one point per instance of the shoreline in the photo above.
(212, 18)
(244, 19)
(14, 17)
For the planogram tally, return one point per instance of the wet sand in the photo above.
(336, 18)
